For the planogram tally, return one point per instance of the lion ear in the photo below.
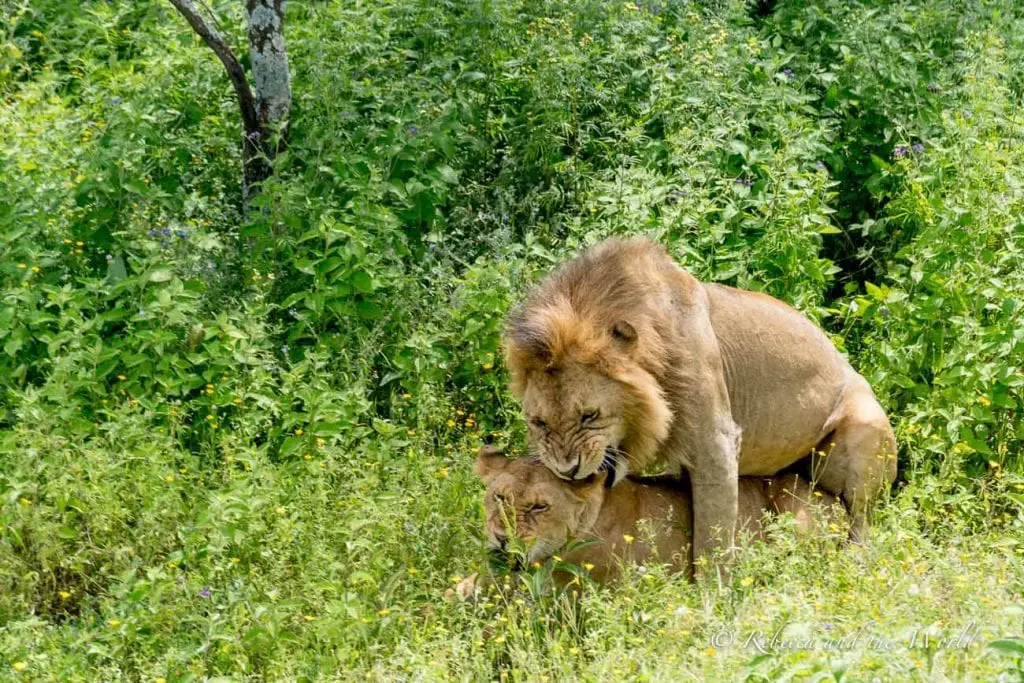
(489, 461)
(624, 333)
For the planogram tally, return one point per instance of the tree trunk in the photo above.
(265, 114)
(273, 89)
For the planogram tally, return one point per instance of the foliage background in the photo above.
(242, 448)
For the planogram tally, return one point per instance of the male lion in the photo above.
(523, 497)
(623, 359)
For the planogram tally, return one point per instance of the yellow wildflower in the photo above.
(746, 581)
(20, 666)
(627, 538)
(308, 617)
(113, 623)
(383, 612)
(64, 595)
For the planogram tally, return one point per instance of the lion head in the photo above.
(527, 501)
(587, 358)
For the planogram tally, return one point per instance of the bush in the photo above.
(242, 446)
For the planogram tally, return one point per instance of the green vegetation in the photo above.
(241, 447)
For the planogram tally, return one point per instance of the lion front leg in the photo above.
(714, 474)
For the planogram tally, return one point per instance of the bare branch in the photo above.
(213, 39)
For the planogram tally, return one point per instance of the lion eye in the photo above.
(589, 416)
(539, 423)
(538, 507)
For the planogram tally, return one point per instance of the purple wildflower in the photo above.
(254, 136)
(788, 72)
(917, 147)
(968, 114)
(899, 152)
(884, 311)
(828, 627)
(820, 165)
(183, 234)
(412, 129)
(114, 101)
(206, 592)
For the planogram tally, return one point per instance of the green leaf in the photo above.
(1010, 646)
(448, 174)
(874, 291)
(368, 310)
(362, 282)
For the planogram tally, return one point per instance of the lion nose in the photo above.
(573, 470)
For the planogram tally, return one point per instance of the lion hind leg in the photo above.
(857, 461)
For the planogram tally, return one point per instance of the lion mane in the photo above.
(596, 311)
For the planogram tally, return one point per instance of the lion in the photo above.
(640, 519)
(623, 360)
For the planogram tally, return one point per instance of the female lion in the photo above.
(640, 519)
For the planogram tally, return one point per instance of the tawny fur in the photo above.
(716, 380)
(642, 520)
